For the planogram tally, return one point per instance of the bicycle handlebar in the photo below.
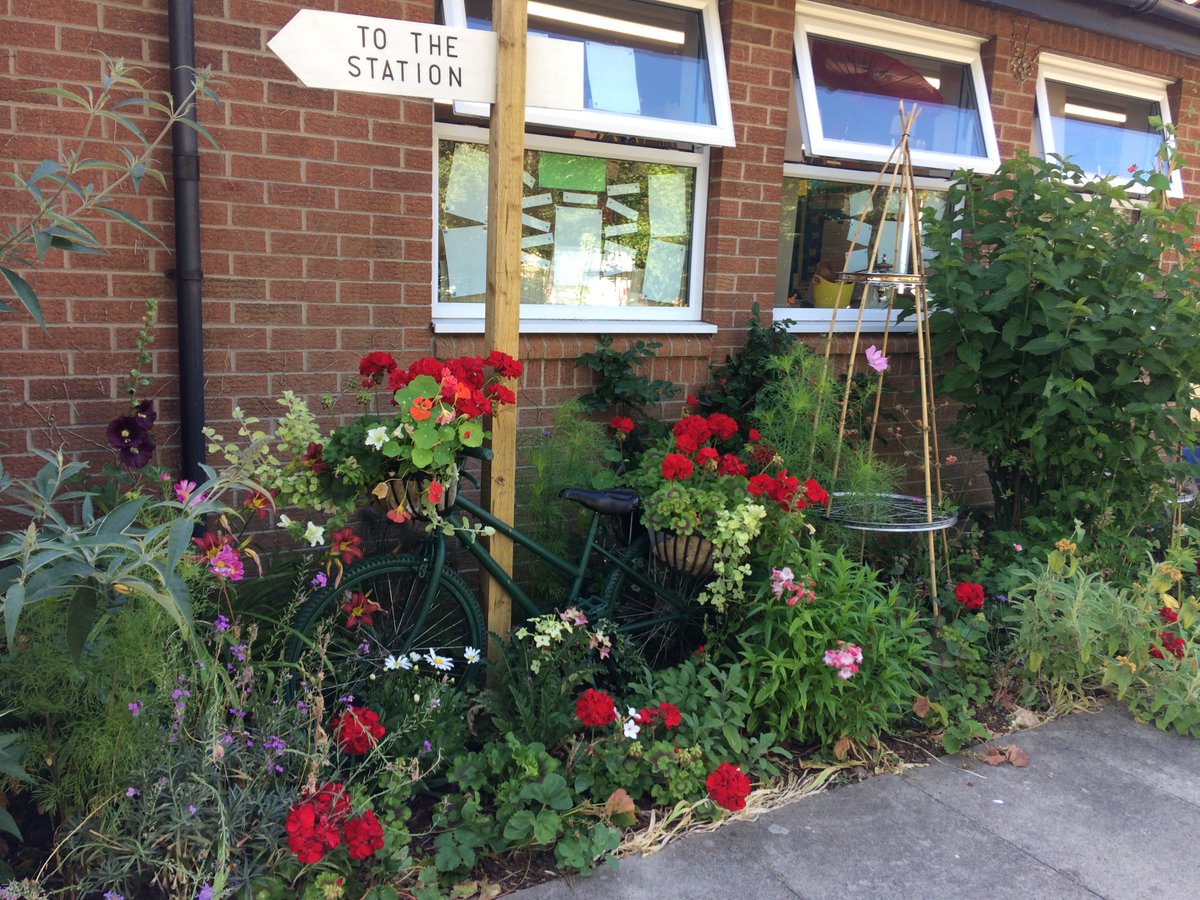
(482, 453)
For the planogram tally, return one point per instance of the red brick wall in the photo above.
(317, 210)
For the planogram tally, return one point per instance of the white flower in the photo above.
(314, 534)
(631, 726)
(392, 664)
(405, 663)
(284, 521)
(377, 437)
(414, 656)
(442, 663)
(399, 432)
(471, 655)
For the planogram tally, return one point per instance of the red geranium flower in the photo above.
(760, 484)
(815, 493)
(970, 595)
(728, 787)
(500, 393)
(670, 713)
(595, 709)
(358, 729)
(731, 464)
(706, 456)
(722, 426)
(309, 833)
(645, 717)
(622, 424)
(503, 363)
(676, 466)
(754, 436)
(364, 835)
(1168, 615)
(374, 366)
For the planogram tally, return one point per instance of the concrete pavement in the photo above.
(1106, 808)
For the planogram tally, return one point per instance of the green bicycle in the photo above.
(390, 606)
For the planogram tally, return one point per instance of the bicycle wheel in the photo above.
(662, 618)
(369, 643)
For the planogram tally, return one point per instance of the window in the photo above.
(608, 231)
(651, 69)
(854, 71)
(1099, 118)
(820, 236)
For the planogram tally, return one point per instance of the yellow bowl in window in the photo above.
(830, 294)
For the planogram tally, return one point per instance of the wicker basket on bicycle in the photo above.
(688, 554)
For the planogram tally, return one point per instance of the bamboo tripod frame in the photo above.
(897, 184)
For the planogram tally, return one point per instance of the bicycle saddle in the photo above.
(612, 502)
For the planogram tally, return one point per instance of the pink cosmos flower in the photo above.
(876, 360)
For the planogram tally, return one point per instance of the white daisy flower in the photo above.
(392, 664)
(471, 655)
(377, 437)
(439, 662)
(405, 663)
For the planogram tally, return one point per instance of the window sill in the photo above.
(816, 321)
(581, 326)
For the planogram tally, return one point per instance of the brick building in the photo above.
(724, 148)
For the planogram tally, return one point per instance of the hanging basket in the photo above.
(690, 554)
(408, 494)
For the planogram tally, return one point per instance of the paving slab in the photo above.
(1100, 811)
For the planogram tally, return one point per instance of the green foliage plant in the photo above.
(1082, 632)
(781, 647)
(1074, 345)
(733, 387)
(102, 556)
(61, 193)
(620, 389)
(797, 410)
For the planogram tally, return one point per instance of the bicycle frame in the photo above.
(575, 572)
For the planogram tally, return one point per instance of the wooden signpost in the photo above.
(340, 51)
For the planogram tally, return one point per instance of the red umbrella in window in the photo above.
(850, 67)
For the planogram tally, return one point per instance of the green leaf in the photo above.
(179, 540)
(14, 601)
(7, 823)
(24, 293)
(82, 614)
(130, 221)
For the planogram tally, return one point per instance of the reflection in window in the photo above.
(859, 89)
(596, 232)
(830, 226)
(640, 58)
(1101, 132)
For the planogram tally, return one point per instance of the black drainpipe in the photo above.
(185, 170)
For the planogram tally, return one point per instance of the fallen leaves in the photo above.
(1011, 754)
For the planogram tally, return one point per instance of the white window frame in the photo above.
(1091, 75)
(719, 134)
(883, 33)
(459, 317)
(816, 321)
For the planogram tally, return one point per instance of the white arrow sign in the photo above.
(345, 52)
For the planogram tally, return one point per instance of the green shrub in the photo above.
(782, 649)
(1075, 350)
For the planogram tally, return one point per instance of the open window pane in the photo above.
(858, 89)
(855, 69)
(1101, 132)
(651, 69)
(598, 233)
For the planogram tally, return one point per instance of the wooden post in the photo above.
(506, 163)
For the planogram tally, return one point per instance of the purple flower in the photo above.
(319, 580)
(222, 623)
(145, 414)
(205, 893)
(131, 791)
(113, 895)
(191, 810)
(132, 441)
(427, 746)
(135, 707)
